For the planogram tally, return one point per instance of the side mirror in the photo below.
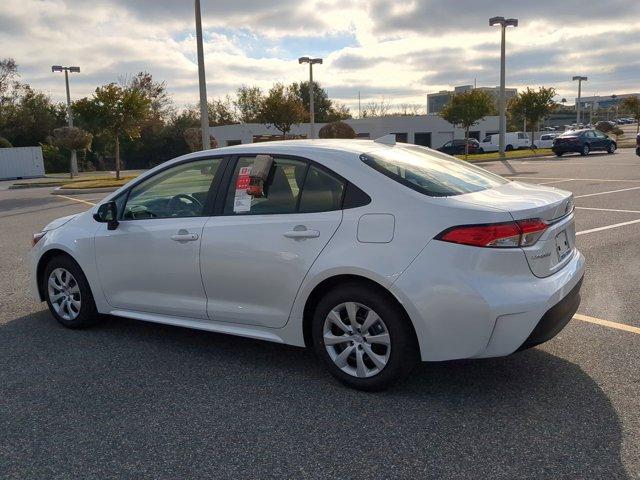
(107, 213)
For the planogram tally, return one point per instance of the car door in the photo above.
(151, 261)
(256, 253)
(447, 147)
(602, 140)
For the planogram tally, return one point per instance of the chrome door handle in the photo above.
(184, 236)
(300, 231)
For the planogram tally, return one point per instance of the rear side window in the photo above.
(322, 192)
(430, 172)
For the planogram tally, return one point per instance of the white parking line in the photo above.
(606, 193)
(615, 225)
(607, 210)
(576, 179)
(556, 181)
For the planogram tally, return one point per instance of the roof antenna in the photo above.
(389, 139)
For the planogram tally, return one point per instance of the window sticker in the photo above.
(242, 200)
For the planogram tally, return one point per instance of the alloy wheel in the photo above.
(64, 294)
(356, 339)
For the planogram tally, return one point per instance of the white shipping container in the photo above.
(21, 162)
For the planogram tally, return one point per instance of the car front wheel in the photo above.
(611, 148)
(585, 150)
(364, 338)
(68, 294)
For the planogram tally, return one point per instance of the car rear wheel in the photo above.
(364, 338)
(585, 150)
(559, 154)
(611, 148)
(68, 294)
(509, 148)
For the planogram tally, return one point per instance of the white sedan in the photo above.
(375, 254)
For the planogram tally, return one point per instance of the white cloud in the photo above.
(388, 50)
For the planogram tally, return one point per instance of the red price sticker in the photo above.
(242, 183)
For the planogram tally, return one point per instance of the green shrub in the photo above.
(337, 130)
(55, 160)
(4, 143)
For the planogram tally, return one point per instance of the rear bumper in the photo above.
(468, 302)
(555, 319)
(567, 149)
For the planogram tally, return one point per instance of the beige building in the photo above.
(437, 101)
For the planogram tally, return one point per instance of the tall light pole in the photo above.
(504, 23)
(312, 117)
(73, 169)
(580, 79)
(204, 113)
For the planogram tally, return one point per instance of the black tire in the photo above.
(533, 146)
(559, 154)
(509, 148)
(585, 150)
(611, 148)
(87, 314)
(481, 150)
(404, 353)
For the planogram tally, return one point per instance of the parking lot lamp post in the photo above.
(204, 112)
(73, 169)
(504, 23)
(312, 121)
(580, 79)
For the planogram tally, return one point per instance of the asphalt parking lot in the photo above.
(129, 399)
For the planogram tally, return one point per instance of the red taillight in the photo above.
(521, 233)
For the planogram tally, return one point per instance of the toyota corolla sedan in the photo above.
(375, 254)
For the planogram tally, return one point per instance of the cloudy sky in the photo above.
(393, 50)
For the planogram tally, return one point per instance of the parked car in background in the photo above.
(638, 144)
(512, 141)
(376, 255)
(456, 147)
(583, 142)
(546, 140)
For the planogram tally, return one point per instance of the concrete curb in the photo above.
(539, 157)
(71, 191)
(33, 185)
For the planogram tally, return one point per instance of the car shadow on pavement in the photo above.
(132, 399)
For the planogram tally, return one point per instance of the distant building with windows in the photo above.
(427, 130)
(437, 101)
(604, 101)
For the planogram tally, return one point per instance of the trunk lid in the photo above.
(556, 246)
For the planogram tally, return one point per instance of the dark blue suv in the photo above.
(583, 142)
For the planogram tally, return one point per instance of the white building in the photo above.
(428, 130)
(21, 162)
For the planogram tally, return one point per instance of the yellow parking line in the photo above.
(607, 323)
(76, 200)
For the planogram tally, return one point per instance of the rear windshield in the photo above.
(430, 172)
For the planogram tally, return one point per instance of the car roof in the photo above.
(302, 148)
(293, 146)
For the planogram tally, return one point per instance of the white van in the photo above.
(512, 141)
(546, 140)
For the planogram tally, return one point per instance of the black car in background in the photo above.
(456, 147)
(638, 144)
(583, 142)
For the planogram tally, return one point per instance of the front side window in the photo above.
(281, 191)
(429, 172)
(179, 191)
